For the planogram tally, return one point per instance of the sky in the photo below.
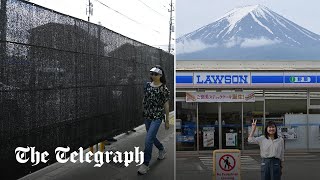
(146, 21)
(193, 14)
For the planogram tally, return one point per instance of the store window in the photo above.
(208, 126)
(291, 119)
(231, 116)
(314, 131)
(314, 111)
(252, 111)
(315, 98)
(277, 108)
(186, 118)
(314, 120)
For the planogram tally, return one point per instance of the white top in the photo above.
(153, 85)
(268, 147)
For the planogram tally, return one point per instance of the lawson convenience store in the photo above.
(215, 105)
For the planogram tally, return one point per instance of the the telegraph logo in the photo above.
(300, 79)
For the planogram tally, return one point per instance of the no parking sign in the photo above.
(226, 164)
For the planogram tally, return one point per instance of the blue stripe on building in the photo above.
(264, 79)
(184, 79)
(267, 79)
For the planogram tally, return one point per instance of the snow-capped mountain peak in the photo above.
(248, 27)
(237, 14)
(252, 22)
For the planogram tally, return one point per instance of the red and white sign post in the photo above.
(226, 164)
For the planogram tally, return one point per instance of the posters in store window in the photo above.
(231, 139)
(258, 131)
(288, 132)
(178, 123)
(186, 139)
(208, 136)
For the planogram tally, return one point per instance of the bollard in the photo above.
(102, 146)
(91, 149)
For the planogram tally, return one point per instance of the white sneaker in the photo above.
(162, 154)
(143, 169)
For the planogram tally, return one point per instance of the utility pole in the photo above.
(89, 10)
(170, 27)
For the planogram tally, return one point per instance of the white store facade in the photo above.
(217, 100)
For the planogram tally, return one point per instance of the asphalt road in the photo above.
(297, 166)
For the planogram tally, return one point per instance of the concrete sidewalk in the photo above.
(159, 169)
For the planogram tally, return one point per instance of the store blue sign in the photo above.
(248, 79)
(184, 79)
(300, 79)
(267, 79)
(222, 79)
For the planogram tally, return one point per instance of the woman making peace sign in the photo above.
(271, 151)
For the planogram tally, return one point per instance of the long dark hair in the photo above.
(163, 77)
(266, 134)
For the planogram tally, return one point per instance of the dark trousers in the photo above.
(270, 169)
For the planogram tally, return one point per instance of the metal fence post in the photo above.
(102, 146)
(3, 27)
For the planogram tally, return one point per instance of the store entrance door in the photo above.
(208, 117)
(231, 117)
(236, 118)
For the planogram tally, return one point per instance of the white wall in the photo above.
(247, 65)
(301, 141)
(314, 131)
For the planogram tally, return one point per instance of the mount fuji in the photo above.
(250, 33)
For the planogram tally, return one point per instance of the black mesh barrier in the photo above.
(67, 82)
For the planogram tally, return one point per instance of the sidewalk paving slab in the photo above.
(159, 169)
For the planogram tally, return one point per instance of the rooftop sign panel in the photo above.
(230, 79)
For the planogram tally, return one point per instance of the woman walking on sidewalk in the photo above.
(155, 101)
(271, 151)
